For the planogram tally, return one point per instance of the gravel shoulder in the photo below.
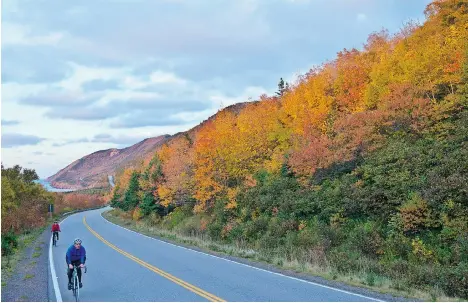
(30, 279)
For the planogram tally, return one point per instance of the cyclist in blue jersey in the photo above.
(76, 256)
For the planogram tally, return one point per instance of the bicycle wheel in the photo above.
(54, 242)
(77, 289)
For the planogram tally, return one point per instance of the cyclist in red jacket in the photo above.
(56, 229)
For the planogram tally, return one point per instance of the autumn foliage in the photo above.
(25, 203)
(358, 157)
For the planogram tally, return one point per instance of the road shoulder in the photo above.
(30, 279)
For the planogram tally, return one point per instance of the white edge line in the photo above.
(58, 295)
(261, 269)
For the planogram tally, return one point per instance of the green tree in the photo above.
(131, 200)
(282, 87)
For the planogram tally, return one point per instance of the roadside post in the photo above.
(51, 210)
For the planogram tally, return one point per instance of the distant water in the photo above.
(49, 187)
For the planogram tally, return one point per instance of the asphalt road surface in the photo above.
(127, 266)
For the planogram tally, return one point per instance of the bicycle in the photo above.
(76, 286)
(54, 242)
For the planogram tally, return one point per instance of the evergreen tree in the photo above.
(131, 194)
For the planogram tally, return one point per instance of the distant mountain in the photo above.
(92, 171)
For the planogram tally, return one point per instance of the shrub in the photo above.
(190, 226)
(454, 280)
(366, 238)
(137, 214)
(175, 218)
(9, 243)
(415, 214)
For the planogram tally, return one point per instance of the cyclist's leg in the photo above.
(69, 274)
(57, 235)
(70, 271)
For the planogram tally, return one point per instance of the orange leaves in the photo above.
(415, 214)
(311, 101)
(166, 195)
(177, 158)
(314, 154)
(352, 69)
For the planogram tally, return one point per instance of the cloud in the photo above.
(100, 85)
(68, 142)
(137, 112)
(78, 74)
(59, 99)
(144, 119)
(160, 77)
(23, 65)
(83, 114)
(9, 122)
(40, 153)
(19, 34)
(13, 139)
(361, 17)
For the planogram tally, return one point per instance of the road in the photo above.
(111, 180)
(127, 266)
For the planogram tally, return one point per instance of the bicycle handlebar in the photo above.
(85, 267)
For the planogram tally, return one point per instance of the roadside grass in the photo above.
(364, 279)
(28, 276)
(10, 262)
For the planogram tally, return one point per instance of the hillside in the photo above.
(357, 171)
(92, 171)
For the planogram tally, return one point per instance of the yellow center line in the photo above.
(160, 272)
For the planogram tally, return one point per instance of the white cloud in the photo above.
(82, 74)
(12, 92)
(17, 34)
(160, 77)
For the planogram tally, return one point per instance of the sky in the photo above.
(88, 75)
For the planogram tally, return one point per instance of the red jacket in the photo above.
(55, 227)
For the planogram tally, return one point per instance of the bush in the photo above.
(215, 229)
(190, 226)
(454, 280)
(153, 219)
(175, 218)
(257, 228)
(137, 214)
(344, 261)
(9, 243)
(366, 238)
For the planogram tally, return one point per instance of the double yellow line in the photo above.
(160, 272)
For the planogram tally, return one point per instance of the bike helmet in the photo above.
(77, 241)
